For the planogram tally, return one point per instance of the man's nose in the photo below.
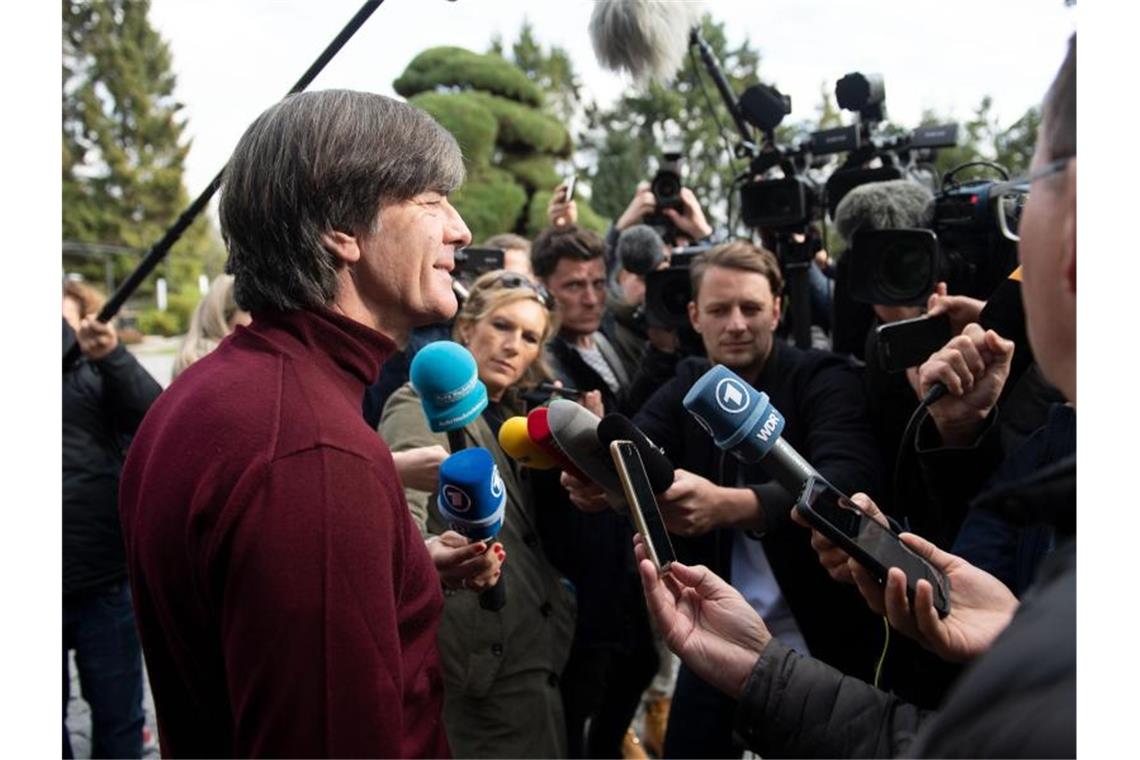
(456, 229)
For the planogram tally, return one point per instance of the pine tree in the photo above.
(123, 147)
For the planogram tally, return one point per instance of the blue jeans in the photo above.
(100, 626)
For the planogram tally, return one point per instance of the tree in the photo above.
(510, 143)
(123, 147)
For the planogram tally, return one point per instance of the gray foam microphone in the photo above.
(575, 430)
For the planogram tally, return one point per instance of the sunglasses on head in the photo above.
(516, 280)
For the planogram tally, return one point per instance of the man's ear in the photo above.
(694, 316)
(1069, 229)
(342, 245)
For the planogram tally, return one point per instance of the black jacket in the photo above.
(103, 403)
(1017, 700)
(821, 398)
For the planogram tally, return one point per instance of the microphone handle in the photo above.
(494, 598)
(937, 391)
(455, 440)
(789, 469)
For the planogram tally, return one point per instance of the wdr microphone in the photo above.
(616, 427)
(473, 501)
(446, 378)
(575, 429)
(517, 443)
(743, 422)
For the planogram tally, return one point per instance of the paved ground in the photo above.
(156, 354)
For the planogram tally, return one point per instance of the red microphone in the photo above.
(538, 428)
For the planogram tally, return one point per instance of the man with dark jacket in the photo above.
(105, 395)
(734, 517)
(1018, 697)
(613, 658)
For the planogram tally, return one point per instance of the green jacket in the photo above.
(501, 669)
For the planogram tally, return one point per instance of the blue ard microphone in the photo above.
(743, 422)
(446, 378)
(473, 501)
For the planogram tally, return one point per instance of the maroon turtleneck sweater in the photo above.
(286, 602)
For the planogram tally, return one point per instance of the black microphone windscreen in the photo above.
(617, 427)
(640, 249)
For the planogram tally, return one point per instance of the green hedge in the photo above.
(155, 322)
(456, 67)
(472, 124)
(535, 171)
(490, 202)
(523, 129)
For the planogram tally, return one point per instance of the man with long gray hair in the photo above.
(286, 602)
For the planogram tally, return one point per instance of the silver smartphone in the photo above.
(569, 194)
(643, 504)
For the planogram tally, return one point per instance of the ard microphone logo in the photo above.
(496, 483)
(457, 499)
(731, 396)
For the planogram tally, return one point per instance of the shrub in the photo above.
(455, 67)
(472, 124)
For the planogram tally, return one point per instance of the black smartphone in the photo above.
(473, 261)
(910, 342)
(643, 504)
(873, 546)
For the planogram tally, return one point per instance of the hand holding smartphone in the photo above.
(568, 194)
(643, 504)
(870, 544)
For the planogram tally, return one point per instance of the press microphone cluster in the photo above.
(472, 498)
(568, 436)
(743, 422)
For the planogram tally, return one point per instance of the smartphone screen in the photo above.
(642, 503)
(872, 545)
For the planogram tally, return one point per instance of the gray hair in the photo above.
(315, 163)
(884, 205)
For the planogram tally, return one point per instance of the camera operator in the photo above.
(895, 204)
(717, 506)
(1018, 697)
(681, 223)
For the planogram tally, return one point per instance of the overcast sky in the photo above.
(235, 57)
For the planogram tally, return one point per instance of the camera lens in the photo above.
(903, 272)
(667, 186)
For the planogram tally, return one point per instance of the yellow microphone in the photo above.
(519, 447)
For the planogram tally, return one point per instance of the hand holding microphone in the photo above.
(463, 564)
(973, 367)
(473, 500)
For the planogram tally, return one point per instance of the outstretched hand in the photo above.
(980, 605)
(705, 621)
